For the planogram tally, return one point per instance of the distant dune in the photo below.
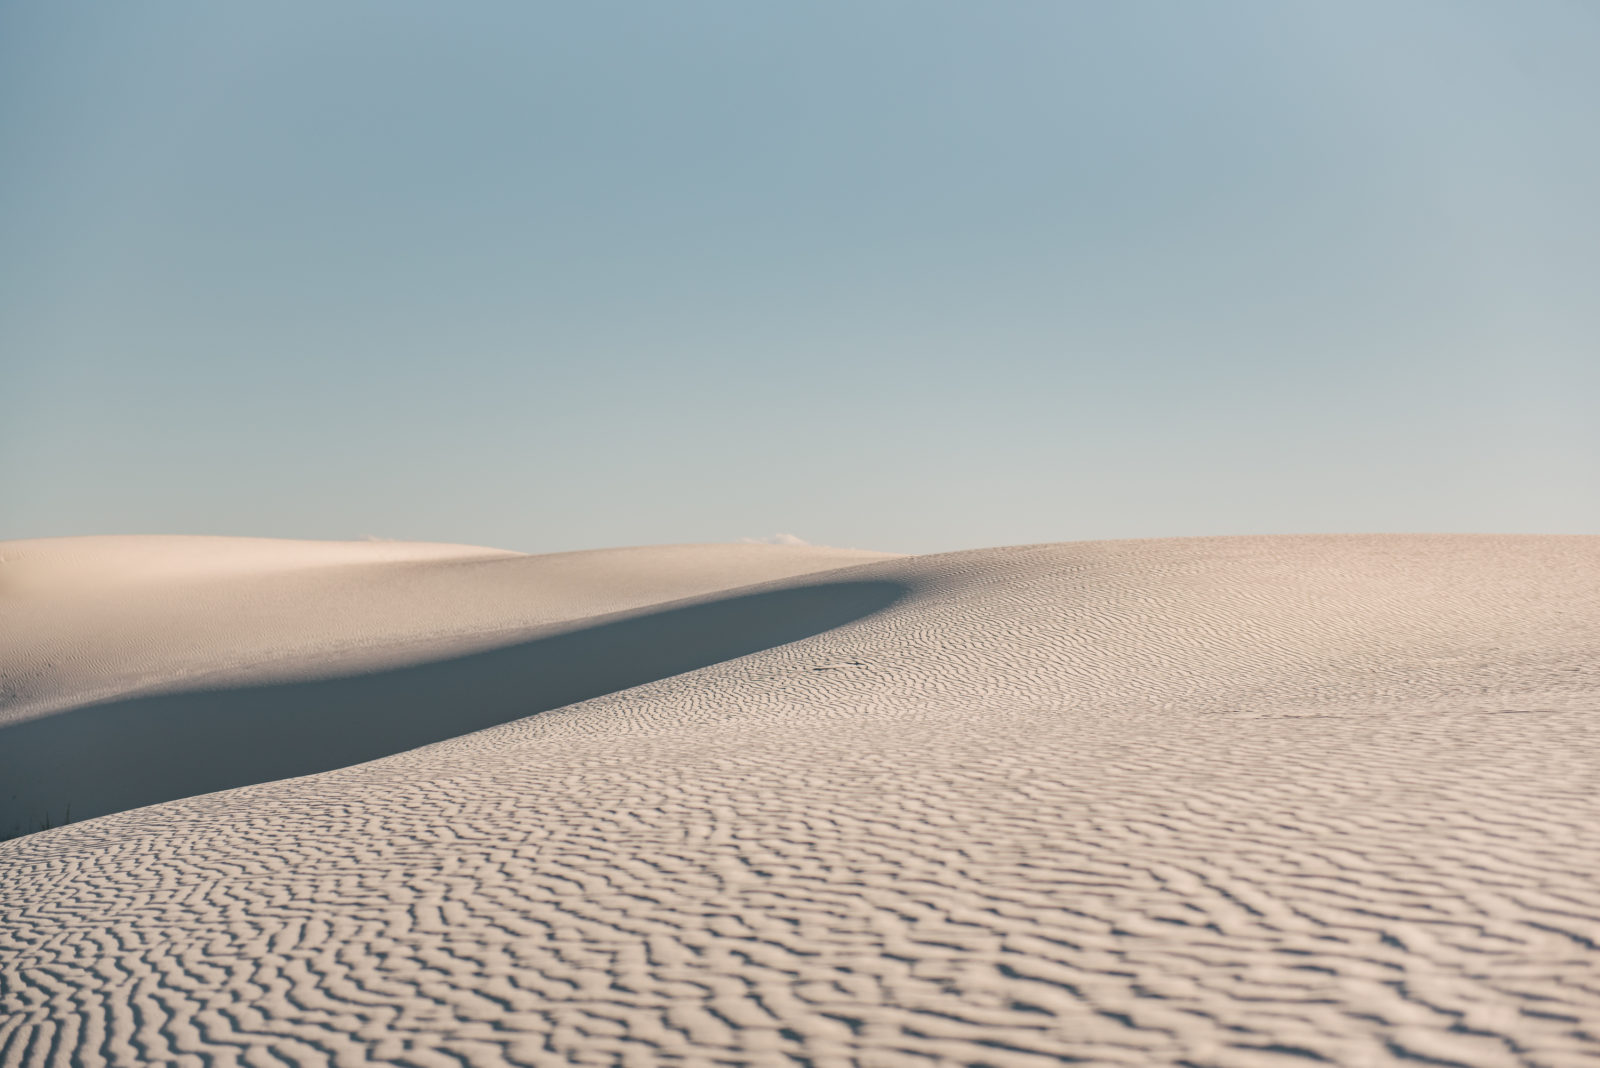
(1215, 801)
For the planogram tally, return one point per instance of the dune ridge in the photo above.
(142, 669)
(86, 619)
(1229, 801)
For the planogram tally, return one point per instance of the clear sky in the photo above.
(903, 275)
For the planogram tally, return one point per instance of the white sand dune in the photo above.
(1231, 801)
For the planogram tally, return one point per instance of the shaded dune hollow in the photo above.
(1254, 801)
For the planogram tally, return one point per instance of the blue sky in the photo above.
(904, 275)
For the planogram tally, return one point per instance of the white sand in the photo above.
(1210, 801)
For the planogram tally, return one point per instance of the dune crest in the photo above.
(143, 669)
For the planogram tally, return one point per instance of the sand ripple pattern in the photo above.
(1252, 801)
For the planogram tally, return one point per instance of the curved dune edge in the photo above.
(169, 666)
(1231, 801)
(86, 620)
(141, 750)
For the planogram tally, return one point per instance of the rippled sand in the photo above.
(1229, 801)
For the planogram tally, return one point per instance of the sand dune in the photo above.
(1229, 801)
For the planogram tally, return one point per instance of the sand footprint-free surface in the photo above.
(1222, 801)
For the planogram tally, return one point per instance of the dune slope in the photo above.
(1226, 801)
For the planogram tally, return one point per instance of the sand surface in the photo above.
(1232, 801)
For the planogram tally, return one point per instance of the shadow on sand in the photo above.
(135, 751)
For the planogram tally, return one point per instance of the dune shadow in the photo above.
(135, 751)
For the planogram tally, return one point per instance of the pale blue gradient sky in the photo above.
(902, 275)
